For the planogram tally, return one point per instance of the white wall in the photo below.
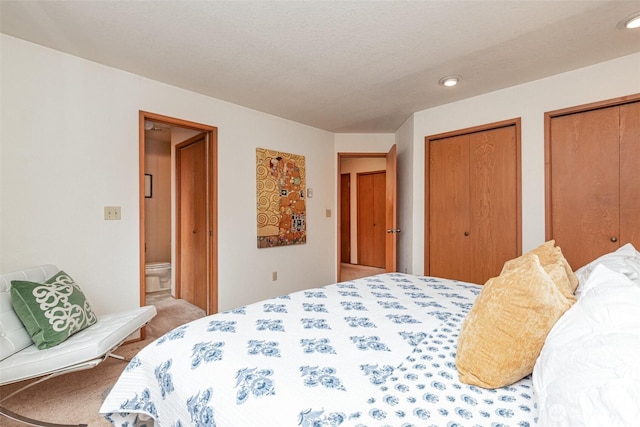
(364, 142)
(529, 101)
(69, 146)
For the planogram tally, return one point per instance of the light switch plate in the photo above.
(112, 213)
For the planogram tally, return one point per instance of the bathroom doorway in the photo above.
(163, 200)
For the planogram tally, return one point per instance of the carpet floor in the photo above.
(76, 397)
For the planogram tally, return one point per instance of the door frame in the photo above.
(212, 196)
(390, 199)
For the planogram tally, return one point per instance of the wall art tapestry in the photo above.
(280, 198)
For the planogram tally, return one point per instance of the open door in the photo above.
(391, 215)
(192, 230)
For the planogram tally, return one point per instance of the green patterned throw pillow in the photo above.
(51, 311)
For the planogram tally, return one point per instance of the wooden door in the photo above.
(371, 218)
(449, 223)
(493, 202)
(391, 217)
(585, 197)
(473, 213)
(193, 231)
(345, 217)
(593, 182)
(630, 174)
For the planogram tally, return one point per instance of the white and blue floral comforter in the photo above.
(378, 351)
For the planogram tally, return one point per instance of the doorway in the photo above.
(203, 200)
(349, 165)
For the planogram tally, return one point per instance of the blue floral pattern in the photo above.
(164, 378)
(359, 322)
(315, 294)
(266, 348)
(201, 415)
(206, 352)
(140, 403)
(309, 418)
(134, 363)
(256, 382)
(269, 325)
(369, 343)
(275, 308)
(317, 308)
(314, 376)
(222, 326)
(310, 323)
(175, 334)
(321, 345)
(356, 306)
(372, 352)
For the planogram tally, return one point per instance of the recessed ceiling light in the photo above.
(449, 81)
(631, 21)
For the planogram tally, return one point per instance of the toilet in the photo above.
(157, 276)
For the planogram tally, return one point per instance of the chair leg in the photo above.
(31, 422)
(117, 356)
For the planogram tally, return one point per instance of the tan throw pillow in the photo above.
(559, 257)
(549, 255)
(505, 330)
(558, 273)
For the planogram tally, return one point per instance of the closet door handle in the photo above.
(614, 239)
(466, 233)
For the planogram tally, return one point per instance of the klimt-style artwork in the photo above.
(280, 198)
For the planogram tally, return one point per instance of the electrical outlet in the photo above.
(112, 212)
(274, 276)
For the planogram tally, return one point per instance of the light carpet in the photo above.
(76, 397)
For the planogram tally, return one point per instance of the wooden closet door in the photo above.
(492, 202)
(474, 202)
(371, 219)
(585, 182)
(630, 174)
(449, 253)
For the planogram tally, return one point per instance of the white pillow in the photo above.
(625, 260)
(588, 373)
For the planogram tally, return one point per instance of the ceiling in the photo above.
(343, 66)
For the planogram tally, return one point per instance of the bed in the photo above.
(377, 351)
